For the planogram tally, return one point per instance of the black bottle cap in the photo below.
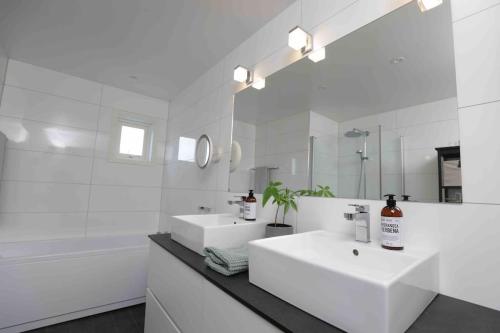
(391, 202)
(250, 193)
(406, 197)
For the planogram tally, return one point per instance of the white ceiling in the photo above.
(166, 44)
(357, 79)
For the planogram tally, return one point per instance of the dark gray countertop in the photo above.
(444, 314)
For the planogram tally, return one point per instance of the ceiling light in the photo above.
(243, 75)
(300, 40)
(317, 55)
(426, 5)
(259, 84)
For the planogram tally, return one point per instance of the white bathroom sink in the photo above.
(376, 291)
(220, 230)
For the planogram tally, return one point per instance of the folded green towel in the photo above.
(223, 270)
(227, 261)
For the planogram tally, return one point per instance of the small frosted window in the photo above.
(132, 141)
(133, 138)
(187, 147)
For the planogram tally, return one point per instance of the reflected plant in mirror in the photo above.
(319, 191)
(378, 115)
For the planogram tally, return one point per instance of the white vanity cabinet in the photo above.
(179, 299)
(157, 319)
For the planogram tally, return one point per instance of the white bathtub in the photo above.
(46, 282)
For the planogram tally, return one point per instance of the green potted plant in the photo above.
(282, 197)
(319, 191)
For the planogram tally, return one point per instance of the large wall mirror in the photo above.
(378, 115)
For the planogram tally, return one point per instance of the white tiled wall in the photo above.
(464, 8)
(58, 181)
(466, 234)
(476, 30)
(476, 48)
(241, 179)
(284, 144)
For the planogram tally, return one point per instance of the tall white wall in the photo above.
(476, 28)
(284, 144)
(242, 179)
(57, 180)
(466, 235)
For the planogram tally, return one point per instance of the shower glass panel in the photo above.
(349, 162)
(324, 150)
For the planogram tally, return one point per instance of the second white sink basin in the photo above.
(354, 286)
(220, 230)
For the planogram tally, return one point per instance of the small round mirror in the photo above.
(203, 151)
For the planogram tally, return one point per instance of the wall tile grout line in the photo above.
(49, 152)
(92, 163)
(479, 104)
(51, 94)
(80, 212)
(475, 13)
(318, 24)
(47, 122)
(78, 100)
(162, 192)
(75, 183)
(80, 155)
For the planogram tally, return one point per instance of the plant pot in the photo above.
(278, 229)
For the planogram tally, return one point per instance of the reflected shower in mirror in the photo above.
(377, 116)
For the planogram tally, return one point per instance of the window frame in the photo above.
(148, 124)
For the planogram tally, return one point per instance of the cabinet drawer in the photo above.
(177, 288)
(157, 319)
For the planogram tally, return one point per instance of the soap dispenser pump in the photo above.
(391, 223)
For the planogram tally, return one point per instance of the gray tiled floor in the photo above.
(126, 320)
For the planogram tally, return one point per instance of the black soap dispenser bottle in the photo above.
(391, 223)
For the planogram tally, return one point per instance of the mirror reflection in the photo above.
(378, 115)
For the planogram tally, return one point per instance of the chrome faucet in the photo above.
(362, 219)
(241, 203)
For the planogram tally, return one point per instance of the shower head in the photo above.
(356, 133)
